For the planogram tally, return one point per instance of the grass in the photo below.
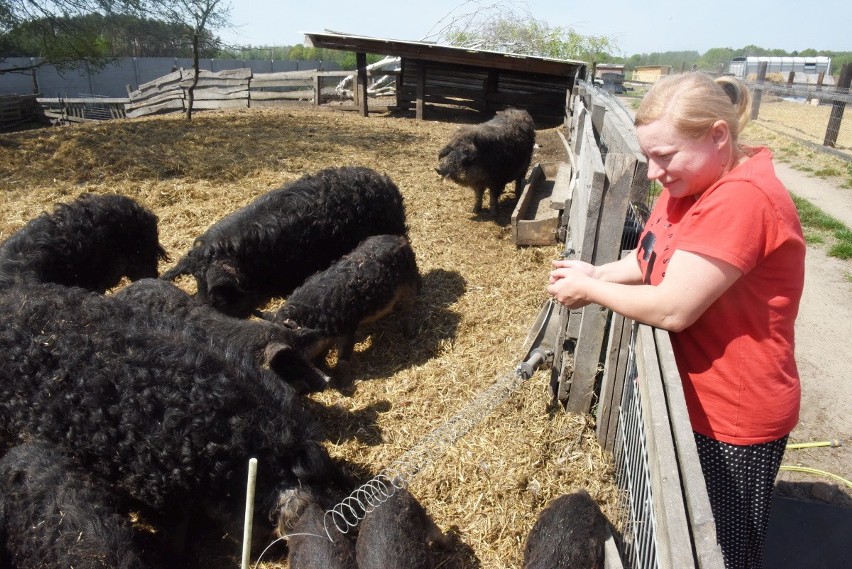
(823, 229)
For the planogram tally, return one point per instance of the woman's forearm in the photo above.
(624, 271)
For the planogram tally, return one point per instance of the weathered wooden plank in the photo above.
(585, 207)
(85, 100)
(592, 326)
(586, 359)
(598, 111)
(620, 136)
(263, 83)
(238, 74)
(612, 383)
(273, 103)
(534, 221)
(592, 185)
(225, 93)
(561, 186)
(169, 106)
(673, 543)
(209, 82)
(701, 519)
(173, 77)
(213, 104)
(578, 124)
(306, 95)
(160, 99)
(619, 172)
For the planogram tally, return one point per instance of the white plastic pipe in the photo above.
(247, 525)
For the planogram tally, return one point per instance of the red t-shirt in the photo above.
(737, 360)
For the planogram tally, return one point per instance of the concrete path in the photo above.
(836, 202)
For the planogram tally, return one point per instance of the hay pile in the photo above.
(481, 293)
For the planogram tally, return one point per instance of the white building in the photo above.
(742, 67)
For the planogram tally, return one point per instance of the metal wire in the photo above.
(346, 515)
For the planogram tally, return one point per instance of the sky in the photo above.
(640, 26)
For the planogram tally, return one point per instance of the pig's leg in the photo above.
(494, 198)
(343, 370)
(477, 202)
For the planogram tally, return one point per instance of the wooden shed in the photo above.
(487, 81)
(650, 73)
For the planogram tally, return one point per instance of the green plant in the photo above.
(813, 238)
(843, 248)
(827, 172)
(822, 229)
(811, 216)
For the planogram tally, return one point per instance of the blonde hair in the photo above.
(694, 101)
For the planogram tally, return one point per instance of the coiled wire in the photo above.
(350, 511)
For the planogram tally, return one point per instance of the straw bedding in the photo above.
(481, 293)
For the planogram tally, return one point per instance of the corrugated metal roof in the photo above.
(443, 53)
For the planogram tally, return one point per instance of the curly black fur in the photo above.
(363, 286)
(490, 155)
(91, 242)
(569, 534)
(313, 540)
(398, 533)
(272, 245)
(54, 514)
(280, 347)
(170, 424)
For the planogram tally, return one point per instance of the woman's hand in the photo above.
(586, 268)
(568, 282)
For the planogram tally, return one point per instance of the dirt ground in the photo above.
(823, 331)
(823, 327)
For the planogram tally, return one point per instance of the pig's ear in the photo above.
(292, 366)
(223, 281)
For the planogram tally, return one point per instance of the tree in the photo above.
(502, 26)
(716, 59)
(198, 18)
(55, 32)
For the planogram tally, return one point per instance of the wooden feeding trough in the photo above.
(537, 219)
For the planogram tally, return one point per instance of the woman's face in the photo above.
(684, 165)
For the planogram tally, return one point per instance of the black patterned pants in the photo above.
(740, 480)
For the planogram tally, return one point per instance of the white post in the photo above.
(247, 526)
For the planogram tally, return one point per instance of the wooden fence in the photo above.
(839, 96)
(621, 371)
(16, 110)
(234, 88)
(83, 109)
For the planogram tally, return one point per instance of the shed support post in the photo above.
(361, 89)
(317, 90)
(421, 89)
(490, 90)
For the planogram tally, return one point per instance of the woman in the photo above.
(720, 264)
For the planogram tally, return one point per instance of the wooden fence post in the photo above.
(838, 107)
(758, 91)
